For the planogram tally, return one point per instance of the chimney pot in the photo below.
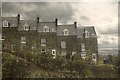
(37, 19)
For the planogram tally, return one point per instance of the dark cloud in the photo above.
(85, 18)
(46, 11)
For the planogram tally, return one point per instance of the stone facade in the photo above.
(48, 38)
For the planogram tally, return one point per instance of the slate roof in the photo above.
(90, 29)
(70, 27)
(51, 25)
(80, 31)
(73, 30)
(32, 24)
(11, 20)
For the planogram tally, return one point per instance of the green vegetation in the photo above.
(22, 65)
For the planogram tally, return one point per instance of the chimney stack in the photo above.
(56, 21)
(18, 18)
(37, 19)
(75, 24)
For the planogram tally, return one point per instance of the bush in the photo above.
(14, 67)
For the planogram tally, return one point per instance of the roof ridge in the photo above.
(8, 17)
(47, 22)
(66, 25)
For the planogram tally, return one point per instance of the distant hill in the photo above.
(108, 51)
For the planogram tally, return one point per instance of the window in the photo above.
(46, 29)
(5, 23)
(13, 48)
(54, 53)
(43, 51)
(93, 56)
(26, 27)
(65, 32)
(23, 39)
(83, 47)
(63, 44)
(86, 34)
(43, 42)
(2, 37)
(63, 53)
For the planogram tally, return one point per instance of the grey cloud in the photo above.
(46, 11)
(85, 18)
(110, 31)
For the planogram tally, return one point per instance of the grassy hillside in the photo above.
(21, 65)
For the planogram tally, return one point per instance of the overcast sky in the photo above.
(102, 15)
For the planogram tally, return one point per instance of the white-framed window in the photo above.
(46, 29)
(65, 32)
(82, 47)
(43, 42)
(5, 23)
(54, 53)
(63, 44)
(13, 47)
(2, 37)
(26, 27)
(43, 51)
(86, 34)
(63, 53)
(23, 39)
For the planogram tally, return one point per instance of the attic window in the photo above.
(26, 27)
(5, 23)
(46, 29)
(65, 32)
(86, 34)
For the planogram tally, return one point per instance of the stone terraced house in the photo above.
(48, 37)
